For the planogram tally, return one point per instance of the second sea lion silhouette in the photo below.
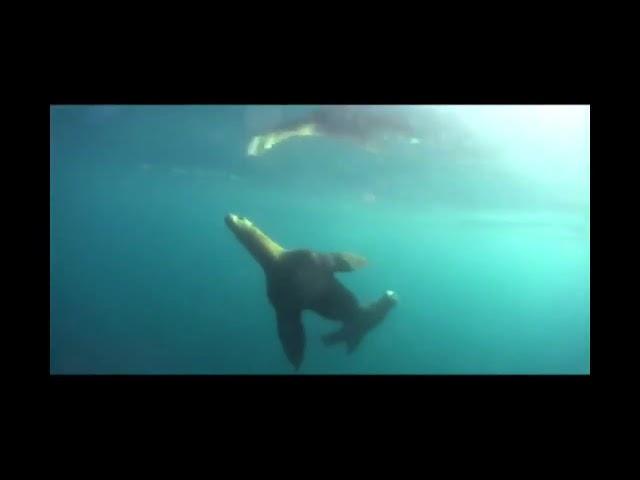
(365, 127)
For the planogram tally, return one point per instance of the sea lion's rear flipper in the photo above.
(351, 335)
(291, 333)
(370, 317)
(343, 261)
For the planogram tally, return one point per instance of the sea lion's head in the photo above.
(244, 230)
(260, 245)
(241, 227)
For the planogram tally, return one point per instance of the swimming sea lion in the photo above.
(365, 127)
(303, 279)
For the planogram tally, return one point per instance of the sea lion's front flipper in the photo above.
(343, 261)
(291, 333)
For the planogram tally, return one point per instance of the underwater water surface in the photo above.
(487, 246)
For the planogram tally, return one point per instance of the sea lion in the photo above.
(303, 279)
(365, 127)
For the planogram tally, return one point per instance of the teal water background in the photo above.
(485, 240)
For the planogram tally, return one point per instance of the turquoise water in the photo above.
(487, 246)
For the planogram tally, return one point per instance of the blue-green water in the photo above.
(487, 246)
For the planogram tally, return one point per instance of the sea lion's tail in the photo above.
(352, 333)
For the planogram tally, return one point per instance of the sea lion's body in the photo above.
(299, 280)
(364, 127)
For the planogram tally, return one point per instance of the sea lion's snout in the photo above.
(230, 219)
(235, 222)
